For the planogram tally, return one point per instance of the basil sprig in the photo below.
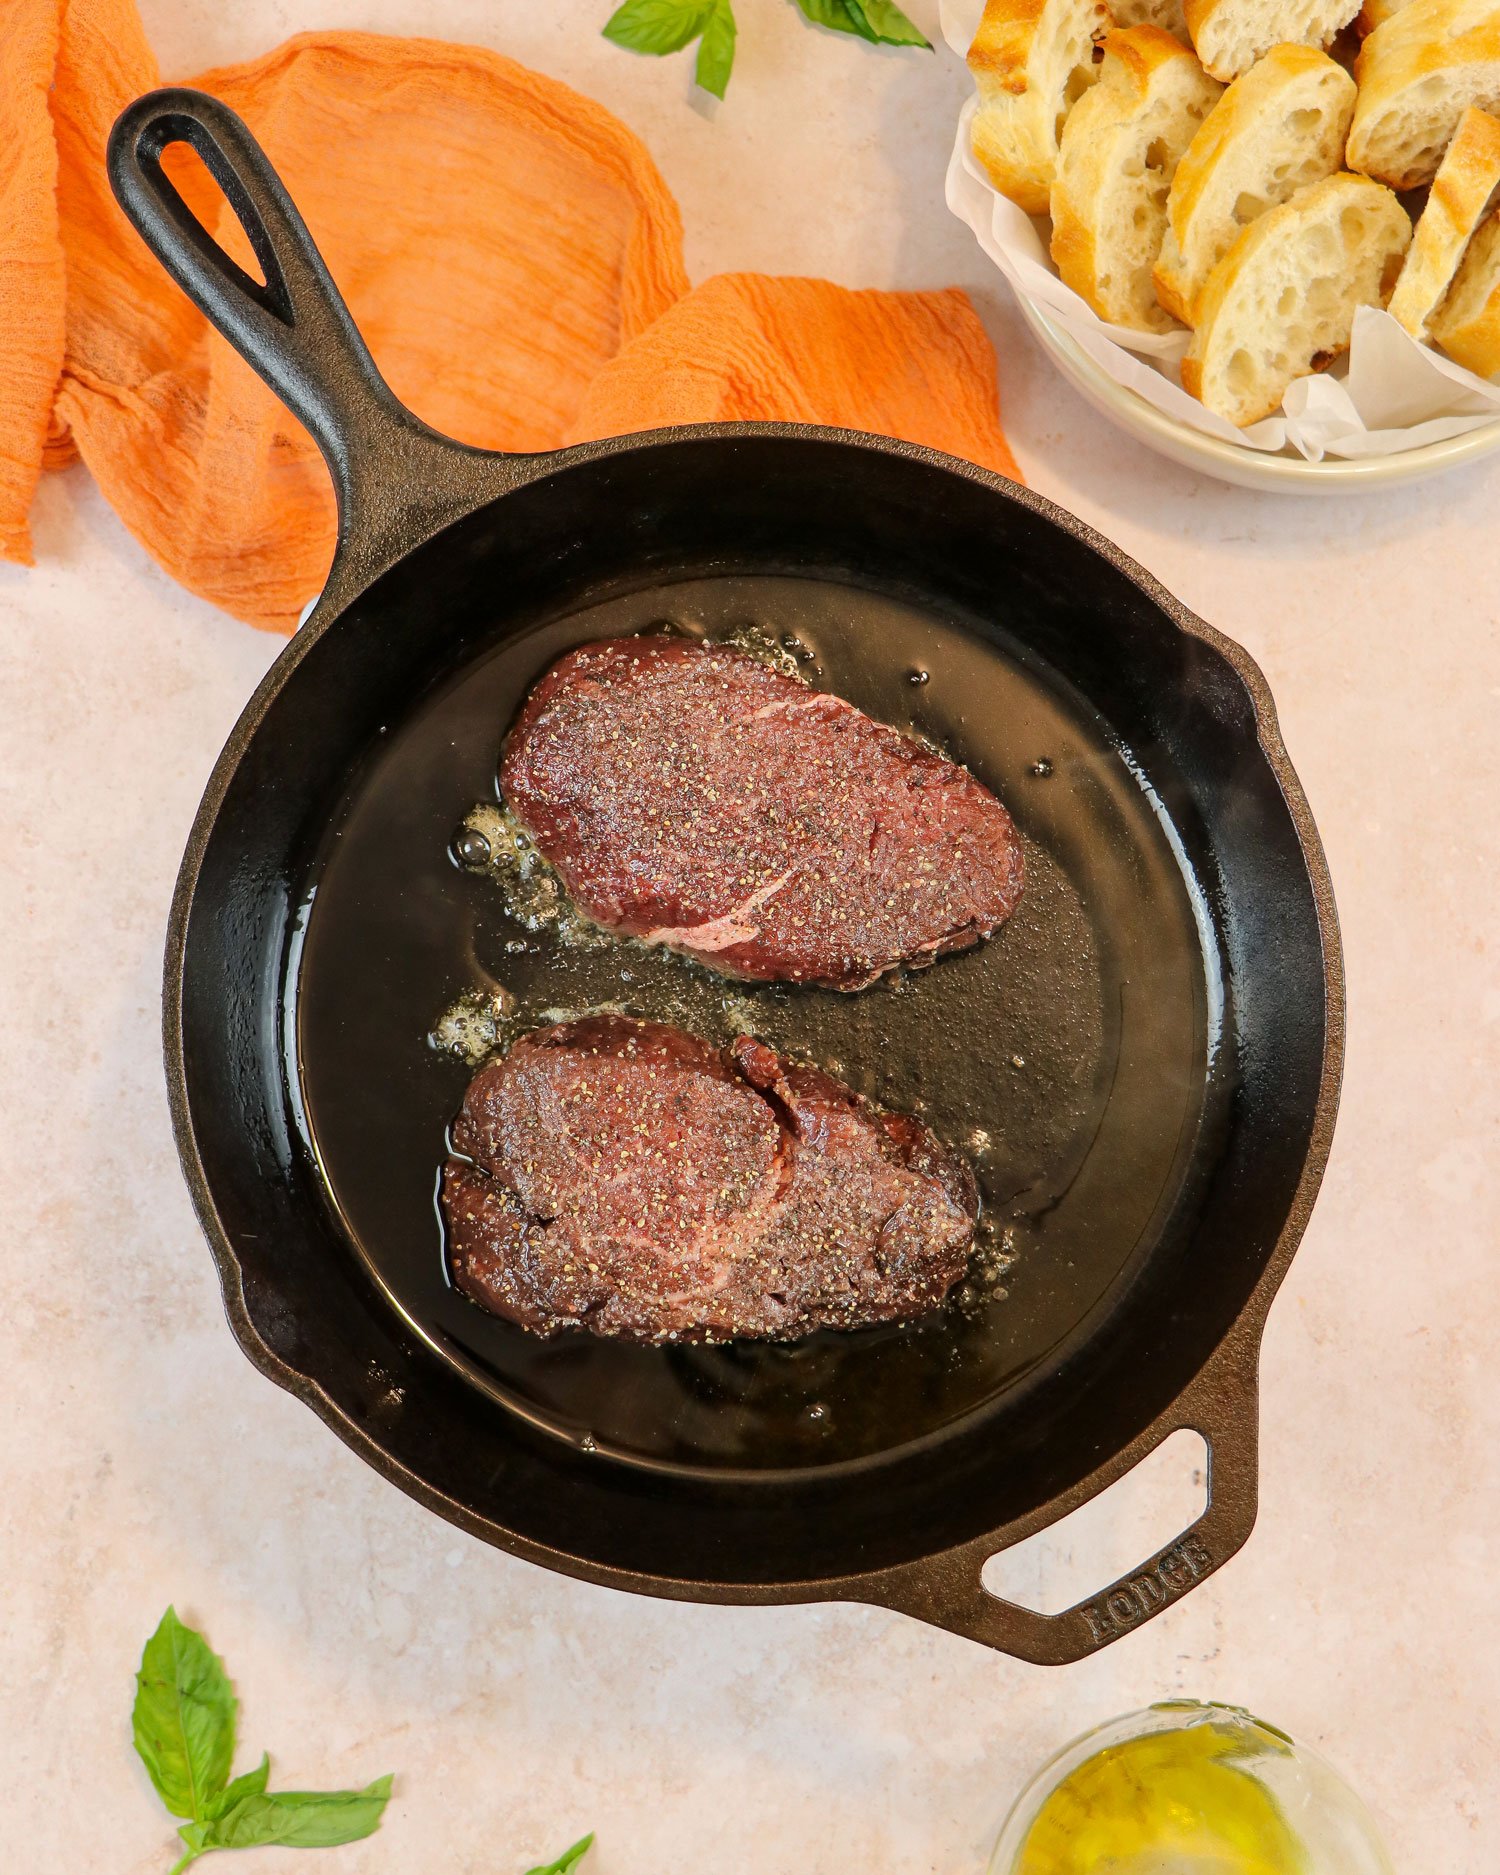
(567, 1861)
(184, 1723)
(880, 21)
(663, 26)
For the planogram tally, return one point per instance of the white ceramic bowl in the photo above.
(973, 199)
(1287, 474)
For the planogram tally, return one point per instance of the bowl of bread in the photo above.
(1262, 235)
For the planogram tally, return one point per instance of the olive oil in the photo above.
(1180, 1802)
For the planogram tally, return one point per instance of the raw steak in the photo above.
(689, 795)
(628, 1178)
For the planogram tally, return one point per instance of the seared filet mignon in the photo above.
(628, 1178)
(690, 795)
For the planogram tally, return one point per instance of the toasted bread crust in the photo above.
(1467, 324)
(1002, 45)
(1192, 378)
(1463, 191)
(1030, 60)
(1375, 13)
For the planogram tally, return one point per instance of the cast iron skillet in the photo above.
(1144, 1064)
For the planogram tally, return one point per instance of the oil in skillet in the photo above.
(1009, 1050)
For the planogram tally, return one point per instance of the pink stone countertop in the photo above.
(144, 1460)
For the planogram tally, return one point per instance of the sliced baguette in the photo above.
(1031, 60)
(1463, 192)
(1167, 14)
(1282, 301)
(1119, 149)
(1417, 75)
(1274, 131)
(1232, 34)
(1467, 324)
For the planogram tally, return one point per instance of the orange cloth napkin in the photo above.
(508, 248)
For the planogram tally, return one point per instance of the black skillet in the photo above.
(1144, 1065)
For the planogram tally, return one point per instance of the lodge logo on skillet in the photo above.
(1173, 1571)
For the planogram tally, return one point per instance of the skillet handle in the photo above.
(948, 1591)
(397, 481)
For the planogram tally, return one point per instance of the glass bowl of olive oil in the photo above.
(1189, 1789)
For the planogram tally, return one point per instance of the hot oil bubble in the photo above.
(475, 1025)
(470, 848)
(918, 676)
(492, 841)
(784, 654)
(1041, 768)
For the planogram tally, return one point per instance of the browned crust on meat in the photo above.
(628, 1178)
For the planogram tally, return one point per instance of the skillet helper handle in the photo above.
(397, 481)
(949, 1592)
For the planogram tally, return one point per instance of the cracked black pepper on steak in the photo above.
(629, 1178)
(691, 796)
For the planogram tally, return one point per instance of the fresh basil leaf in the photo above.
(302, 1819)
(880, 21)
(568, 1860)
(661, 26)
(888, 24)
(837, 15)
(250, 1785)
(716, 53)
(183, 1720)
(658, 26)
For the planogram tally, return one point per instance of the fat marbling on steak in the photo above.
(690, 795)
(629, 1178)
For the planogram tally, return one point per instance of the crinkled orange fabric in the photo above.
(508, 248)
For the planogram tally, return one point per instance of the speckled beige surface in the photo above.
(145, 1460)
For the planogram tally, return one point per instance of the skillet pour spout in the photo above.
(1167, 1188)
